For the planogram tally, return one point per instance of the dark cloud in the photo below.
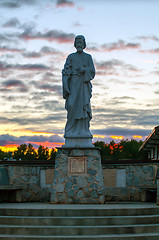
(107, 65)
(41, 138)
(52, 88)
(12, 84)
(46, 86)
(4, 38)
(132, 117)
(126, 132)
(64, 3)
(12, 4)
(113, 67)
(146, 38)
(120, 45)
(124, 98)
(4, 66)
(115, 46)
(6, 139)
(155, 51)
(49, 50)
(52, 105)
(27, 120)
(31, 54)
(8, 49)
(13, 22)
(52, 35)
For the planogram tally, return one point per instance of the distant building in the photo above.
(151, 145)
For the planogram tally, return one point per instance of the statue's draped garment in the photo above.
(77, 90)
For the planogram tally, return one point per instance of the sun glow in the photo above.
(98, 136)
(9, 148)
(117, 137)
(137, 136)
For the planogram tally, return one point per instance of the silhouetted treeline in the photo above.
(125, 149)
(28, 152)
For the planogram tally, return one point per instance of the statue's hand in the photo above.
(82, 69)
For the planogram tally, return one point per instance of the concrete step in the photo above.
(79, 221)
(79, 230)
(110, 222)
(79, 212)
(143, 236)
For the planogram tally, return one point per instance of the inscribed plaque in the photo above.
(109, 177)
(77, 165)
(49, 175)
(121, 178)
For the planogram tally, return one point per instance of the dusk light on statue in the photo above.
(77, 90)
(122, 39)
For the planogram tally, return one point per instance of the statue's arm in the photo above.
(66, 74)
(90, 70)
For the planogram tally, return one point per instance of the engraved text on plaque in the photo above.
(77, 165)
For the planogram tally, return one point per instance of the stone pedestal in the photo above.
(78, 176)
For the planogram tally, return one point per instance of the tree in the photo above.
(3, 155)
(43, 153)
(104, 150)
(20, 153)
(125, 149)
(25, 152)
(31, 153)
(53, 154)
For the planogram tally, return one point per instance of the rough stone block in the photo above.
(60, 187)
(80, 194)
(78, 186)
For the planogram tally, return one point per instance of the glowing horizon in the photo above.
(33, 51)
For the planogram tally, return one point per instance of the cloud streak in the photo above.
(64, 3)
(120, 45)
(13, 22)
(51, 35)
(4, 66)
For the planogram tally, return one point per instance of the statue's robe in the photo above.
(77, 90)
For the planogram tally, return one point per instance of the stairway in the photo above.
(109, 221)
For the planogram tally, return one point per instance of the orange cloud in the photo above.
(47, 144)
(9, 147)
(137, 136)
(117, 137)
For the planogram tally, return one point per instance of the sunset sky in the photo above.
(35, 38)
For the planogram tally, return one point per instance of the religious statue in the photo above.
(77, 90)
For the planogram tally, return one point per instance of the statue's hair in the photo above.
(80, 37)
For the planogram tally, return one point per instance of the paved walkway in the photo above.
(37, 205)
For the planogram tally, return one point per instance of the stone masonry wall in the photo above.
(122, 182)
(128, 182)
(36, 181)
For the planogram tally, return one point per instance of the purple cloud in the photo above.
(52, 35)
(13, 22)
(64, 3)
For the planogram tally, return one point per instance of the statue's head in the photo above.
(80, 42)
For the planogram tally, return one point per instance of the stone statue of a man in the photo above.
(76, 76)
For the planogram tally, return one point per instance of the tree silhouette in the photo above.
(43, 153)
(53, 154)
(125, 149)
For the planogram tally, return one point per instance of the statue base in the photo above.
(78, 176)
(76, 142)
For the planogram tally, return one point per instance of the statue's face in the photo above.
(79, 45)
